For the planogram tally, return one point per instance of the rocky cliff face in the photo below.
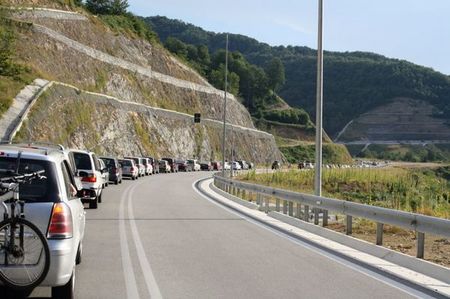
(80, 50)
(66, 115)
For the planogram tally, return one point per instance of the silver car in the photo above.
(88, 169)
(53, 205)
(140, 165)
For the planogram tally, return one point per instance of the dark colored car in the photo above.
(216, 165)
(114, 169)
(276, 165)
(173, 165)
(155, 164)
(183, 166)
(206, 166)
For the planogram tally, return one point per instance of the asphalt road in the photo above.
(157, 237)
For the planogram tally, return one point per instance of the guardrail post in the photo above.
(420, 241)
(380, 233)
(243, 194)
(316, 216)
(266, 199)
(348, 225)
(284, 206)
(291, 208)
(277, 205)
(306, 215)
(258, 199)
(298, 213)
(324, 218)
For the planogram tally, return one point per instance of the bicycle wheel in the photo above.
(24, 254)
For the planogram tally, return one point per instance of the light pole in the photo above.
(225, 108)
(319, 111)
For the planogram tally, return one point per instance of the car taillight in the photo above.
(60, 226)
(89, 179)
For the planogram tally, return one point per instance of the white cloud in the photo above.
(292, 25)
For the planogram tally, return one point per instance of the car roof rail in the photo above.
(35, 144)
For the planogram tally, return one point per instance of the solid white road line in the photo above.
(150, 280)
(130, 280)
(358, 268)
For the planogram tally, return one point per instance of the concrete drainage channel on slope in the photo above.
(412, 282)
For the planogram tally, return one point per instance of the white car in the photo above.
(53, 205)
(227, 166)
(89, 170)
(148, 166)
(236, 165)
(105, 173)
(195, 165)
(139, 163)
(164, 166)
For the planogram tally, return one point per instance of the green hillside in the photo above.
(355, 82)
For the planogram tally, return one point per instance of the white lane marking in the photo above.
(130, 279)
(379, 277)
(150, 280)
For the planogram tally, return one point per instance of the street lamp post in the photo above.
(319, 111)
(225, 108)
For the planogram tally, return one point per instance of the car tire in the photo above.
(66, 291)
(100, 198)
(7, 293)
(93, 204)
(116, 182)
(79, 258)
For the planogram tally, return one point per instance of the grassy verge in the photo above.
(405, 152)
(424, 191)
(332, 153)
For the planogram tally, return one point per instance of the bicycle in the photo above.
(24, 251)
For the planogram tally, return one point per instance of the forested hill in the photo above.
(355, 82)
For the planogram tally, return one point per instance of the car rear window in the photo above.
(43, 190)
(82, 161)
(109, 162)
(125, 162)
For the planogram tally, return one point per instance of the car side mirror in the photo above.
(105, 170)
(78, 184)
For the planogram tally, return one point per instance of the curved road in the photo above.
(157, 237)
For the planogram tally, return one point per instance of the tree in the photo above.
(107, 7)
(176, 46)
(119, 7)
(275, 73)
(217, 78)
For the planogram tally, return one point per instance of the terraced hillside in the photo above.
(403, 120)
(81, 50)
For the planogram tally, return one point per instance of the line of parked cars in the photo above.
(73, 177)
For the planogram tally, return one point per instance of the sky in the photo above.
(414, 30)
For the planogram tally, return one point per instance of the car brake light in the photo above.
(60, 226)
(89, 179)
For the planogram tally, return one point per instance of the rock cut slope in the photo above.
(80, 50)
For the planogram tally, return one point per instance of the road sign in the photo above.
(197, 117)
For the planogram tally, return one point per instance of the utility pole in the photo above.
(225, 108)
(319, 111)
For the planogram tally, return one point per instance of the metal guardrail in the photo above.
(421, 224)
